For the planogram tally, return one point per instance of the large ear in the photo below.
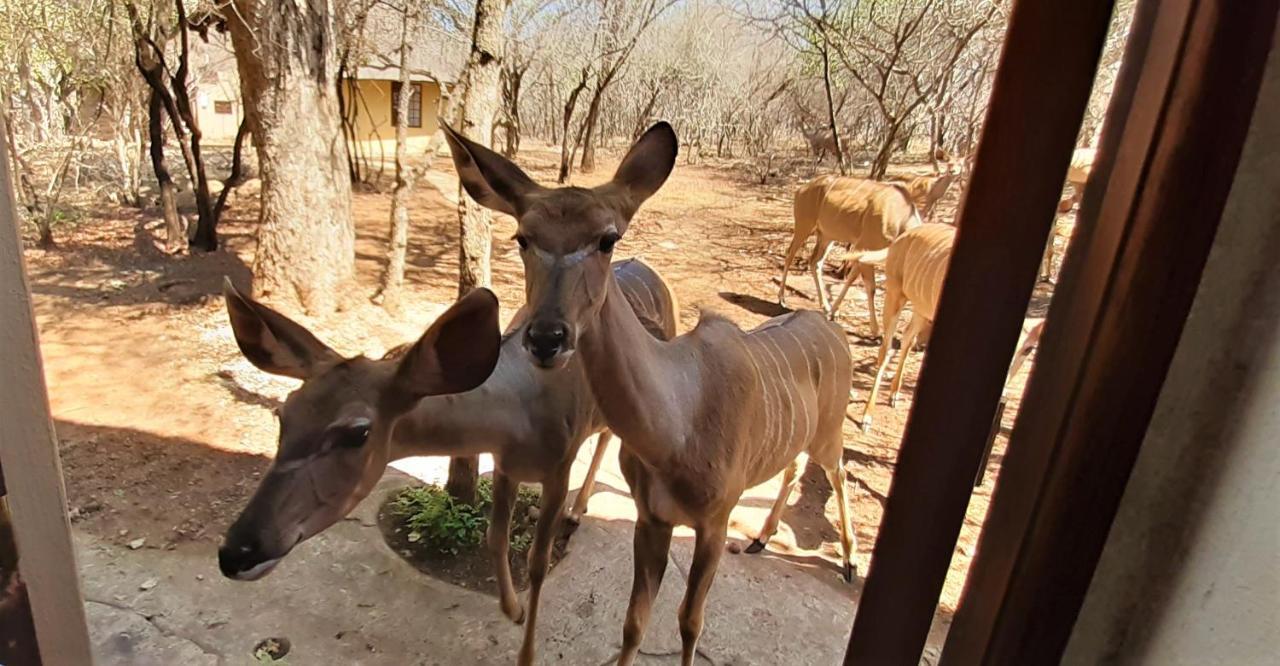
(272, 341)
(646, 166)
(458, 352)
(491, 179)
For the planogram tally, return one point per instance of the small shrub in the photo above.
(449, 527)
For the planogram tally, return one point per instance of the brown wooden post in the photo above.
(1037, 105)
(1171, 145)
(27, 443)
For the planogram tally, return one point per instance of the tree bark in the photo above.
(287, 58)
(479, 107)
(593, 118)
(398, 234)
(237, 169)
(175, 230)
(836, 143)
(570, 104)
(475, 224)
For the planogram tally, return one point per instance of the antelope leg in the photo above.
(775, 515)
(554, 489)
(652, 542)
(499, 542)
(702, 572)
(848, 542)
(588, 484)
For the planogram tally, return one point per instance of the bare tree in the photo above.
(398, 236)
(481, 98)
(621, 25)
(170, 87)
(288, 65)
(902, 53)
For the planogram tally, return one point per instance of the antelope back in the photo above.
(917, 264)
(875, 213)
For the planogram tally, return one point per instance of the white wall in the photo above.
(1191, 570)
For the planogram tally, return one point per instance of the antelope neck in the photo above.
(477, 421)
(645, 387)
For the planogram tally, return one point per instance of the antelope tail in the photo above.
(871, 257)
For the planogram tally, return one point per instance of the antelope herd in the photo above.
(701, 416)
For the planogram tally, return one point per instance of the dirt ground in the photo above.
(165, 429)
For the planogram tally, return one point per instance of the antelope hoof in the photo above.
(893, 401)
(570, 525)
(866, 423)
(755, 547)
(849, 572)
(517, 615)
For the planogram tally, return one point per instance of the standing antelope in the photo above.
(867, 214)
(352, 416)
(925, 192)
(914, 267)
(702, 417)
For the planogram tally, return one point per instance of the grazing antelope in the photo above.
(867, 214)
(352, 416)
(702, 417)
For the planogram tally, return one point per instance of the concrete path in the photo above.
(345, 598)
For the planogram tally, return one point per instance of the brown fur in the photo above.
(866, 214)
(702, 417)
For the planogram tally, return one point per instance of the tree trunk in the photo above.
(570, 104)
(880, 165)
(479, 107)
(836, 143)
(475, 224)
(237, 169)
(593, 118)
(513, 81)
(287, 60)
(175, 230)
(642, 122)
(206, 236)
(398, 235)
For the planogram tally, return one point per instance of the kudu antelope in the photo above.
(702, 417)
(351, 417)
(1077, 177)
(915, 267)
(926, 192)
(335, 430)
(867, 214)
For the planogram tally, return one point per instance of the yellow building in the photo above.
(434, 63)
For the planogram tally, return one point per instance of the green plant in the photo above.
(449, 527)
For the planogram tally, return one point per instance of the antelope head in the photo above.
(566, 234)
(335, 429)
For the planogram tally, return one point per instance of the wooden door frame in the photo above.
(29, 451)
(1173, 138)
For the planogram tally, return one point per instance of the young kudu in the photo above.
(533, 423)
(702, 417)
(915, 267)
(867, 214)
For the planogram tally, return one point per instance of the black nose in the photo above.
(544, 339)
(239, 556)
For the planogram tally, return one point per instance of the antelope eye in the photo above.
(607, 242)
(353, 436)
(522, 242)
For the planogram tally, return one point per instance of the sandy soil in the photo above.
(165, 429)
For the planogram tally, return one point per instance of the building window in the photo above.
(415, 104)
(222, 108)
